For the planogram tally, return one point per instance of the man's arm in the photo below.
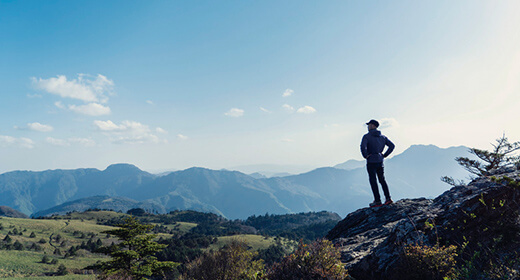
(364, 147)
(391, 147)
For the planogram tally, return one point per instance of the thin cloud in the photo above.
(306, 110)
(182, 137)
(287, 140)
(288, 92)
(57, 142)
(90, 109)
(150, 102)
(9, 141)
(388, 123)
(265, 110)
(36, 126)
(84, 87)
(128, 132)
(288, 108)
(86, 142)
(160, 130)
(234, 112)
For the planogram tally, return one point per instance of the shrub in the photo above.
(232, 262)
(318, 260)
(18, 245)
(45, 259)
(428, 262)
(62, 270)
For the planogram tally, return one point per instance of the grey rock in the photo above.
(371, 240)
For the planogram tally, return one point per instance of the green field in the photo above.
(256, 242)
(27, 263)
(56, 237)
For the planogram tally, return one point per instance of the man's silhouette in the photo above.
(372, 146)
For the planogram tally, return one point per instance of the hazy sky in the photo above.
(175, 84)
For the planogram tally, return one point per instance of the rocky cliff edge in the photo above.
(477, 217)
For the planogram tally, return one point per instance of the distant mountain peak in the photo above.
(118, 167)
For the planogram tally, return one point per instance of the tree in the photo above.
(62, 270)
(18, 245)
(136, 212)
(233, 261)
(134, 254)
(502, 155)
(488, 162)
(8, 239)
(317, 261)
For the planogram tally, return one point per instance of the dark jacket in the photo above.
(372, 146)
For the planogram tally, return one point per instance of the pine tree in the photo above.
(8, 239)
(134, 255)
(502, 155)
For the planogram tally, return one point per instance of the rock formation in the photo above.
(481, 217)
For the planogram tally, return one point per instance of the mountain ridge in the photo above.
(231, 194)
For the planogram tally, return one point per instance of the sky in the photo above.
(167, 85)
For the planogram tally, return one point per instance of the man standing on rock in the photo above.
(372, 146)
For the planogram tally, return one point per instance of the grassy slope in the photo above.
(28, 263)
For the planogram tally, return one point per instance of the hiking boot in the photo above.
(388, 201)
(375, 204)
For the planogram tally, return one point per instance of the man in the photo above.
(372, 146)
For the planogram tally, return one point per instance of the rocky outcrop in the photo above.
(483, 214)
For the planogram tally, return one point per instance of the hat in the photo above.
(374, 122)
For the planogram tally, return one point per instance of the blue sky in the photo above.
(175, 84)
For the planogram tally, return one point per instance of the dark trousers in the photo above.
(377, 169)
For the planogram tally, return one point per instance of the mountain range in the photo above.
(232, 194)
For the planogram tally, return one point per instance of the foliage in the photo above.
(134, 255)
(185, 248)
(318, 260)
(501, 155)
(274, 253)
(232, 262)
(429, 262)
(62, 270)
(136, 212)
(307, 226)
